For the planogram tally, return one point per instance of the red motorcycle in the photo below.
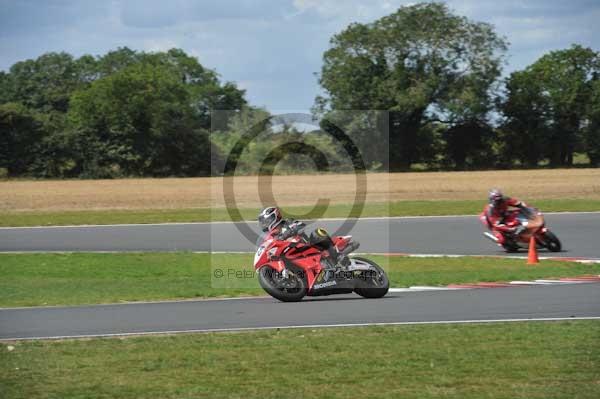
(289, 269)
(532, 223)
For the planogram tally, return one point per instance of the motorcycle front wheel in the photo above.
(290, 289)
(510, 247)
(551, 241)
(373, 283)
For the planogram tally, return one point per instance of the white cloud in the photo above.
(159, 44)
(270, 47)
(350, 9)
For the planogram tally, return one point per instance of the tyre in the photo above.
(551, 241)
(510, 247)
(375, 285)
(510, 244)
(291, 289)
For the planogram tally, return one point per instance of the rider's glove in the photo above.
(296, 227)
(285, 233)
(291, 230)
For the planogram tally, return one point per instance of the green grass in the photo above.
(69, 279)
(88, 278)
(398, 208)
(505, 360)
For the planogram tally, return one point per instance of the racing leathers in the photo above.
(288, 228)
(501, 220)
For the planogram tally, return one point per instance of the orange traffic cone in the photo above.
(532, 258)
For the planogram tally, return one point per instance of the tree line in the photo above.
(434, 79)
(439, 76)
(126, 113)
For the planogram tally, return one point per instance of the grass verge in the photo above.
(505, 360)
(88, 278)
(398, 208)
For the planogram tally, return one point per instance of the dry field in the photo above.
(293, 190)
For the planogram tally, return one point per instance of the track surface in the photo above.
(431, 235)
(573, 300)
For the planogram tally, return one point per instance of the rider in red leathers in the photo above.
(501, 221)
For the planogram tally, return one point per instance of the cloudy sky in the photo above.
(271, 48)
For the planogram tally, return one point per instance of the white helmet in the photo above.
(269, 218)
(495, 196)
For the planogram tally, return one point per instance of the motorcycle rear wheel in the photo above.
(373, 286)
(292, 289)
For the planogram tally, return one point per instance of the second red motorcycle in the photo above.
(533, 225)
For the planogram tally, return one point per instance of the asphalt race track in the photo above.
(426, 235)
(513, 303)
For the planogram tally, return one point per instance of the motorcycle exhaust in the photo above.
(490, 236)
(351, 247)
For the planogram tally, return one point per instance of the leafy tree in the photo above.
(360, 138)
(422, 63)
(565, 77)
(546, 105)
(206, 91)
(225, 139)
(138, 121)
(20, 132)
(524, 131)
(44, 87)
(116, 60)
(4, 87)
(44, 84)
(592, 131)
(151, 115)
(470, 145)
(277, 148)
